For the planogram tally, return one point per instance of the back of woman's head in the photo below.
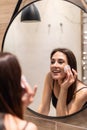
(69, 54)
(10, 86)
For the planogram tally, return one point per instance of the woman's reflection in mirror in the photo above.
(15, 94)
(62, 86)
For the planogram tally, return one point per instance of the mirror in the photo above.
(33, 42)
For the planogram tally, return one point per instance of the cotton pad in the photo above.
(66, 68)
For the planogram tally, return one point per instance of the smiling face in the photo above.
(58, 62)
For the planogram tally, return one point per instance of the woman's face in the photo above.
(58, 62)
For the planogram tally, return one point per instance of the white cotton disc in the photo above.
(66, 68)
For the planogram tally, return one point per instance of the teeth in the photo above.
(56, 71)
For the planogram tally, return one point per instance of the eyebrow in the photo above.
(58, 59)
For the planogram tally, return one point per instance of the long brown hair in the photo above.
(73, 64)
(10, 86)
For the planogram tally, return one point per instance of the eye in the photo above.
(52, 61)
(60, 61)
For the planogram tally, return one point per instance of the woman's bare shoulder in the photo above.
(31, 126)
(17, 122)
(82, 91)
(25, 125)
(81, 86)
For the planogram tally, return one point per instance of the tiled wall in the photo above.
(75, 122)
(44, 124)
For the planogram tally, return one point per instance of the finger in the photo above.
(72, 74)
(70, 78)
(32, 92)
(35, 89)
(75, 73)
(25, 84)
(69, 74)
(67, 69)
(28, 88)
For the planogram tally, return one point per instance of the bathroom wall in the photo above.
(6, 10)
(5, 15)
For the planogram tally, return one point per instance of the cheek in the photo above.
(62, 67)
(63, 74)
(50, 67)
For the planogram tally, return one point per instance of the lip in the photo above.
(56, 71)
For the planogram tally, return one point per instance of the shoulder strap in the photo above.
(79, 90)
(25, 126)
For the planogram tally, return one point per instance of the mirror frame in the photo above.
(56, 117)
(2, 46)
(76, 4)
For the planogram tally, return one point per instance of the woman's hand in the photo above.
(29, 93)
(69, 79)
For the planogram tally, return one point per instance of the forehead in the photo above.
(59, 55)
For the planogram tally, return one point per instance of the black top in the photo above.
(54, 99)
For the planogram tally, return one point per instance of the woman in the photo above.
(68, 94)
(15, 94)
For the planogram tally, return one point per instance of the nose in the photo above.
(56, 64)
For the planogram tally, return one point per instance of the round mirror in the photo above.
(32, 42)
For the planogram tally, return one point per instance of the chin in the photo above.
(56, 77)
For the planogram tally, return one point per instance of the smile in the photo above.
(56, 71)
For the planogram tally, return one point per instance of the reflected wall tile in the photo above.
(46, 124)
(42, 124)
(64, 126)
